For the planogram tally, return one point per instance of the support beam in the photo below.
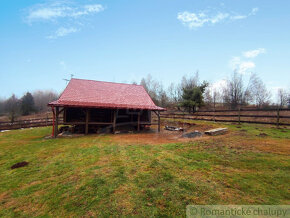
(158, 114)
(114, 120)
(239, 115)
(278, 117)
(56, 122)
(87, 121)
(53, 121)
(61, 110)
(64, 115)
(138, 125)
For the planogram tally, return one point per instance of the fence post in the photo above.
(239, 115)
(214, 114)
(278, 116)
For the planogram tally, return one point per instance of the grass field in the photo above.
(105, 175)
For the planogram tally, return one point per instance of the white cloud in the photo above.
(241, 66)
(52, 12)
(254, 11)
(195, 20)
(254, 53)
(62, 31)
(73, 15)
(239, 17)
(218, 85)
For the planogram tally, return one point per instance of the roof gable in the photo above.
(90, 93)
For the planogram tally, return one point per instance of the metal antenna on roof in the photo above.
(67, 80)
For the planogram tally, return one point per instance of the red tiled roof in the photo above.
(90, 93)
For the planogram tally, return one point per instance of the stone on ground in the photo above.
(192, 134)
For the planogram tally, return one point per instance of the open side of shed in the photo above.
(94, 106)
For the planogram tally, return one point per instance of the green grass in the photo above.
(93, 176)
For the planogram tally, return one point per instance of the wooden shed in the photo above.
(95, 104)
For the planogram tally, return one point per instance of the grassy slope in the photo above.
(91, 175)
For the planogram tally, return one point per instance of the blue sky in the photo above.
(43, 42)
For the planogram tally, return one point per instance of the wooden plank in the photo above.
(100, 123)
(225, 115)
(87, 122)
(115, 120)
(56, 122)
(138, 124)
(227, 121)
(218, 131)
(239, 115)
(90, 123)
(158, 121)
(278, 117)
(74, 123)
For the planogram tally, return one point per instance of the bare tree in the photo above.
(174, 93)
(42, 98)
(283, 97)
(163, 98)
(233, 93)
(257, 91)
(155, 90)
(190, 82)
(12, 107)
(2, 106)
(212, 96)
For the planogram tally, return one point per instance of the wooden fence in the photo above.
(259, 116)
(26, 123)
(262, 116)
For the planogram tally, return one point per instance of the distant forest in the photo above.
(189, 94)
(29, 103)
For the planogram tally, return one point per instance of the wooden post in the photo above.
(56, 122)
(64, 115)
(138, 125)
(87, 122)
(278, 116)
(158, 114)
(114, 121)
(239, 115)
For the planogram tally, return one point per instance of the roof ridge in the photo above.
(105, 81)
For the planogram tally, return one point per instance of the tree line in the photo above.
(29, 103)
(191, 94)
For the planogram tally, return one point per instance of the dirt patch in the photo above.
(147, 138)
(152, 137)
(18, 165)
(262, 134)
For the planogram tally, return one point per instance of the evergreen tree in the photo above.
(27, 104)
(192, 97)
